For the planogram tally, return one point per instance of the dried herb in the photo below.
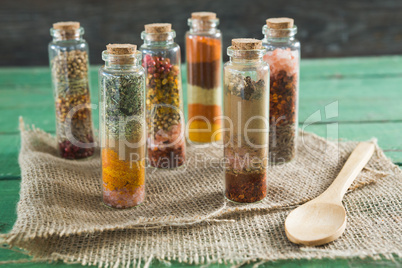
(70, 78)
(245, 87)
(124, 97)
(282, 140)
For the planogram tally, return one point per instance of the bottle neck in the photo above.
(203, 26)
(122, 62)
(279, 35)
(246, 61)
(158, 39)
(279, 39)
(254, 56)
(63, 35)
(118, 66)
(149, 42)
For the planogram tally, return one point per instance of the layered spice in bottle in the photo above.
(68, 56)
(283, 57)
(122, 126)
(246, 105)
(164, 105)
(204, 86)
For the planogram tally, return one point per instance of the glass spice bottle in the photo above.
(246, 110)
(204, 86)
(68, 56)
(283, 57)
(164, 105)
(122, 126)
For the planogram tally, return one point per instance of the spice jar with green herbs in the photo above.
(122, 126)
(283, 57)
(164, 105)
(68, 56)
(246, 110)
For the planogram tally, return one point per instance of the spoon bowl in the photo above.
(323, 219)
(315, 223)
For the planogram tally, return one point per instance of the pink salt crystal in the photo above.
(123, 198)
(282, 60)
(172, 137)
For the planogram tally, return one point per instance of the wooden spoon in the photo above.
(323, 219)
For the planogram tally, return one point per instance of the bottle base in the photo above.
(119, 208)
(281, 162)
(242, 203)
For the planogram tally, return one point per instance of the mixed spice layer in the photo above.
(284, 82)
(73, 115)
(245, 172)
(166, 141)
(123, 166)
(204, 88)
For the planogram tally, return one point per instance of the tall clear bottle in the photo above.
(164, 104)
(246, 108)
(122, 126)
(68, 57)
(283, 57)
(204, 85)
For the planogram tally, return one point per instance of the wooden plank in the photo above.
(366, 99)
(388, 135)
(9, 190)
(9, 149)
(359, 99)
(331, 68)
(337, 68)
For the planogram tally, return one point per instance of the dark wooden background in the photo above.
(333, 28)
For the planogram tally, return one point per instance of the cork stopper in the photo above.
(66, 30)
(246, 44)
(203, 15)
(66, 25)
(158, 28)
(121, 49)
(280, 23)
(121, 53)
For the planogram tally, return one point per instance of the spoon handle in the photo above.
(355, 163)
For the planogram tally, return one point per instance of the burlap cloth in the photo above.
(185, 216)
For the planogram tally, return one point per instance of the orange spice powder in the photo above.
(203, 49)
(118, 174)
(204, 84)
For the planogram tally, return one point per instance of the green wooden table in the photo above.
(352, 98)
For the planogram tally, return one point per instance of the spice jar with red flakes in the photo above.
(164, 104)
(246, 104)
(283, 57)
(68, 56)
